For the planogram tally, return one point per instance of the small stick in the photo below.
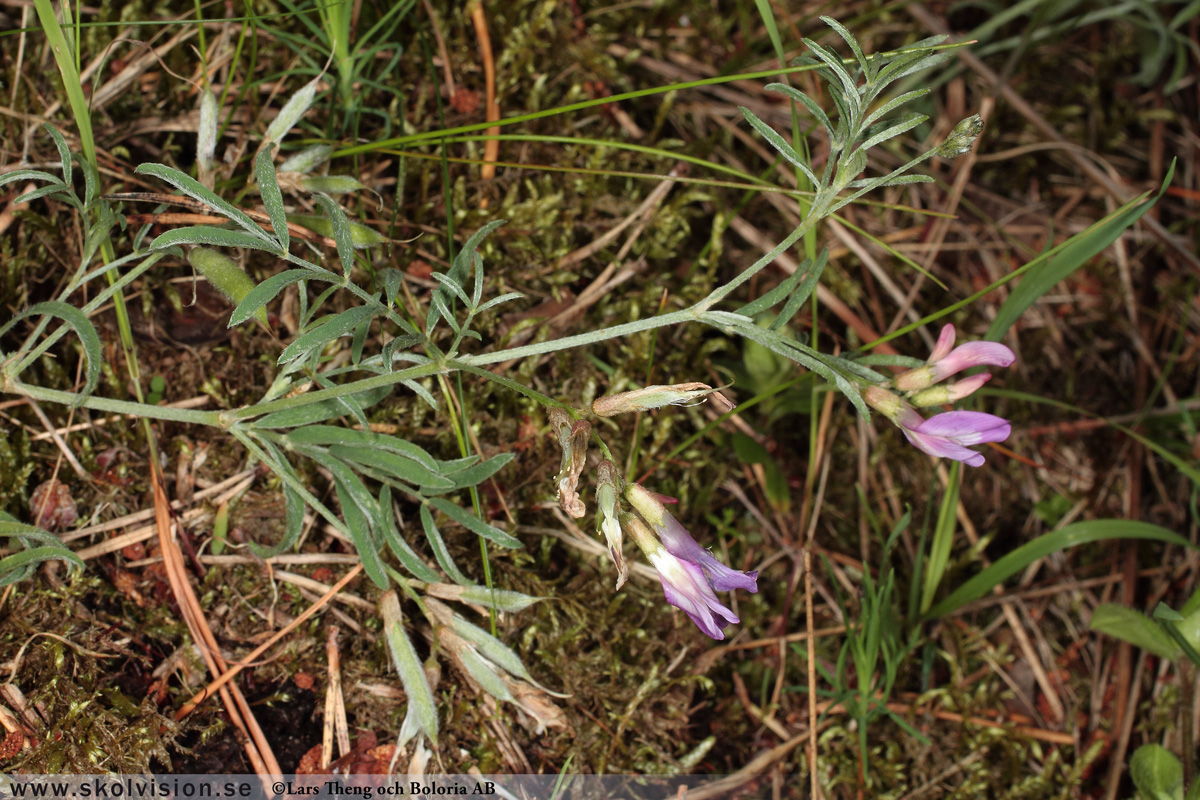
(491, 148)
(255, 744)
(62, 446)
(202, 217)
(335, 704)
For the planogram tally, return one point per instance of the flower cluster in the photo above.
(690, 574)
(946, 435)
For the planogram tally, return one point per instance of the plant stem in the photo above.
(579, 340)
(189, 416)
(346, 389)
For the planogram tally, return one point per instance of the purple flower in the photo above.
(680, 544)
(685, 584)
(947, 435)
(947, 360)
(689, 572)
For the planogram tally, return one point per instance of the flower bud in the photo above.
(952, 393)
(225, 276)
(961, 138)
(679, 394)
(947, 360)
(647, 504)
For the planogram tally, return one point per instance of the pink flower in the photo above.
(947, 435)
(947, 360)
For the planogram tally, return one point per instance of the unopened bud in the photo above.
(961, 138)
(678, 394)
(225, 276)
(916, 379)
(573, 438)
(647, 504)
(951, 393)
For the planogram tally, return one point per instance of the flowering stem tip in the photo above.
(946, 435)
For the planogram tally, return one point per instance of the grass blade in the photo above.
(1079, 533)
(1071, 255)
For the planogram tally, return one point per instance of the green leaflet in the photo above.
(257, 298)
(324, 435)
(440, 552)
(360, 235)
(331, 184)
(359, 525)
(82, 326)
(323, 409)
(307, 159)
(343, 235)
(327, 329)
(268, 188)
(483, 673)
(422, 710)
(397, 543)
(209, 235)
(39, 546)
(197, 191)
(399, 467)
(475, 524)
(1134, 627)
(291, 112)
(32, 175)
(780, 144)
(477, 473)
(499, 599)
(293, 503)
(464, 261)
(1156, 772)
(19, 566)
